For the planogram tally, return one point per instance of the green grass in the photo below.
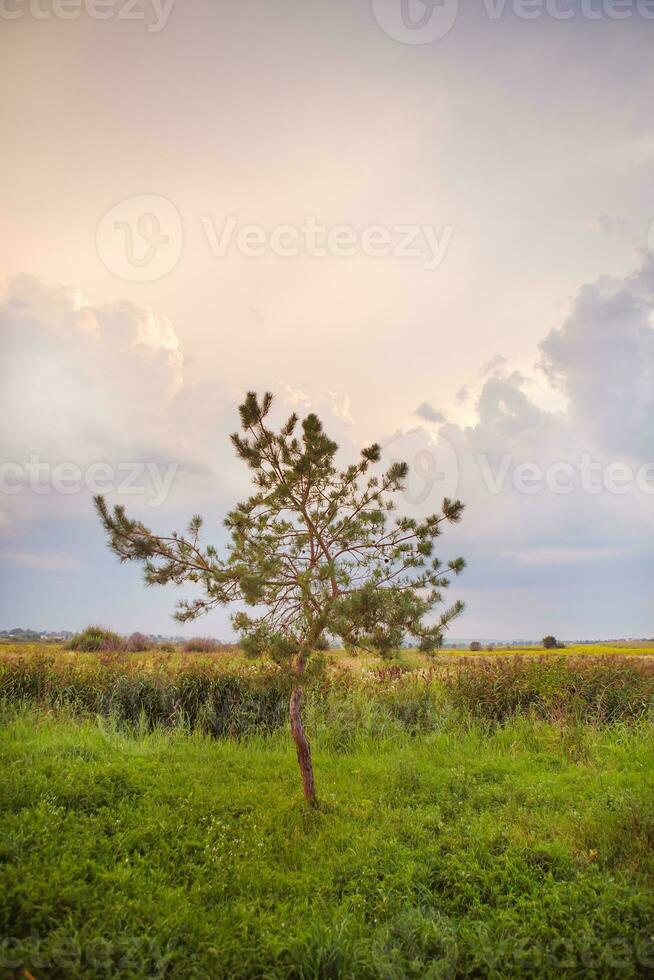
(522, 850)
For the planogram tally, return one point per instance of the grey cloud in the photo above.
(429, 413)
(496, 363)
(602, 358)
(547, 547)
(503, 404)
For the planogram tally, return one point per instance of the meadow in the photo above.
(479, 816)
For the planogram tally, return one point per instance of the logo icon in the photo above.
(433, 468)
(140, 239)
(416, 21)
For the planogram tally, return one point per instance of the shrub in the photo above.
(549, 642)
(202, 644)
(96, 639)
(475, 646)
(138, 643)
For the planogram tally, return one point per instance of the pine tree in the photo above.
(312, 553)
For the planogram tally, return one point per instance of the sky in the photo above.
(430, 224)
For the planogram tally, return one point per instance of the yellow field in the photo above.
(410, 659)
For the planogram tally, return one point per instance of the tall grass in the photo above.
(601, 690)
(196, 696)
(227, 698)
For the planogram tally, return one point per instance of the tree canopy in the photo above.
(314, 551)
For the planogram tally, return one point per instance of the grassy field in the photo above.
(490, 820)
(409, 659)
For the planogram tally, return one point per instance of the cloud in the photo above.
(545, 518)
(79, 376)
(608, 224)
(429, 413)
(97, 393)
(113, 330)
(88, 384)
(602, 359)
(293, 396)
(86, 387)
(340, 406)
(42, 562)
(504, 406)
(565, 556)
(495, 364)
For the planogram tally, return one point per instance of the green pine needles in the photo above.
(314, 552)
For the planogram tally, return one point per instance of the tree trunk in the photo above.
(302, 745)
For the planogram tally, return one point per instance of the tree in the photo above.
(312, 554)
(549, 642)
(475, 646)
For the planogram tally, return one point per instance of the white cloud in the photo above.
(84, 385)
(340, 406)
(293, 396)
(88, 385)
